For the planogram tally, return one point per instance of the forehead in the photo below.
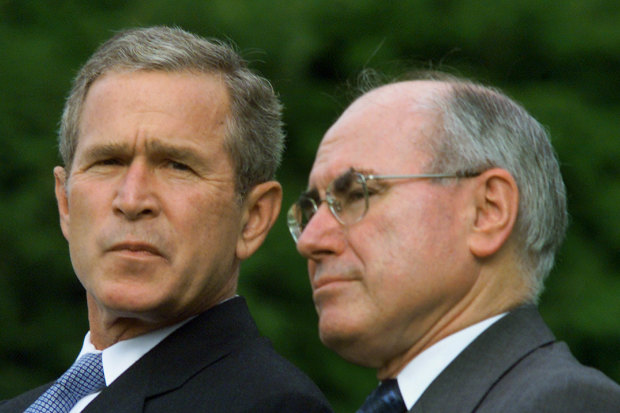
(144, 105)
(121, 95)
(384, 131)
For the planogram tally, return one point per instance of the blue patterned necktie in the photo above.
(83, 378)
(384, 399)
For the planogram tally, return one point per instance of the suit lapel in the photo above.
(190, 349)
(466, 381)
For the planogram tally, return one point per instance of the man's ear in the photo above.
(496, 199)
(261, 209)
(60, 178)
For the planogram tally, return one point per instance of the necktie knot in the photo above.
(83, 378)
(384, 399)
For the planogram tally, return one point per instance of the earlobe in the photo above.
(60, 179)
(261, 209)
(496, 200)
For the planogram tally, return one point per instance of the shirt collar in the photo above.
(120, 356)
(415, 378)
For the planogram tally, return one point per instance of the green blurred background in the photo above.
(560, 59)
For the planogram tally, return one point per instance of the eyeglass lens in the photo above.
(346, 196)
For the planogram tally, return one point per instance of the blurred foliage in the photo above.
(560, 59)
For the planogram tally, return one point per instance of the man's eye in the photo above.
(108, 162)
(179, 166)
(355, 195)
(373, 191)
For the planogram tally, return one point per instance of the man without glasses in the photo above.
(434, 211)
(170, 146)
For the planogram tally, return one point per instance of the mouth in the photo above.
(328, 280)
(137, 249)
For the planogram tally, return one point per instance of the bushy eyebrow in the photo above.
(107, 150)
(155, 150)
(311, 193)
(160, 150)
(364, 171)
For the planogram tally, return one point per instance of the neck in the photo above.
(108, 328)
(486, 299)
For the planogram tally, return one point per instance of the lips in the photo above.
(323, 280)
(137, 248)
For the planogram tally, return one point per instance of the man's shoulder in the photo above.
(267, 378)
(517, 365)
(252, 377)
(19, 403)
(220, 362)
(542, 374)
(546, 374)
(551, 379)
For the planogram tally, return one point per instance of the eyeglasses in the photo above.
(347, 198)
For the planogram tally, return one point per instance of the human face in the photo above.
(383, 285)
(149, 207)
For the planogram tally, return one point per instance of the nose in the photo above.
(135, 197)
(322, 236)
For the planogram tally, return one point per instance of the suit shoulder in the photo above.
(20, 403)
(262, 363)
(253, 378)
(550, 379)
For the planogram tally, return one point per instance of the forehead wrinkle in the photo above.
(403, 110)
(365, 171)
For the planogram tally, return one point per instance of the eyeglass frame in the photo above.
(295, 227)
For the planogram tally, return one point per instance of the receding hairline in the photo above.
(414, 101)
(416, 92)
(418, 97)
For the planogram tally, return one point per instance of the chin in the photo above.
(351, 349)
(338, 337)
(135, 304)
(350, 339)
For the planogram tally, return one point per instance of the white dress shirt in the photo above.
(120, 356)
(415, 378)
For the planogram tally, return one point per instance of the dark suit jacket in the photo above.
(217, 362)
(518, 366)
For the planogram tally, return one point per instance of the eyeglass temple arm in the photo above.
(465, 174)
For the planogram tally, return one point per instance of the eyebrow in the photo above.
(105, 151)
(154, 149)
(160, 150)
(311, 193)
(363, 171)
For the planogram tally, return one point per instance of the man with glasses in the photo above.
(434, 211)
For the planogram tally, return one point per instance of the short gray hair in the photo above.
(482, 128)
(254, 138)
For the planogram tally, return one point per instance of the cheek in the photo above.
(85, 212)
(385, 242)
(208, 226)
(407, 246)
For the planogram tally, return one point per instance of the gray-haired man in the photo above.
(434, 210)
